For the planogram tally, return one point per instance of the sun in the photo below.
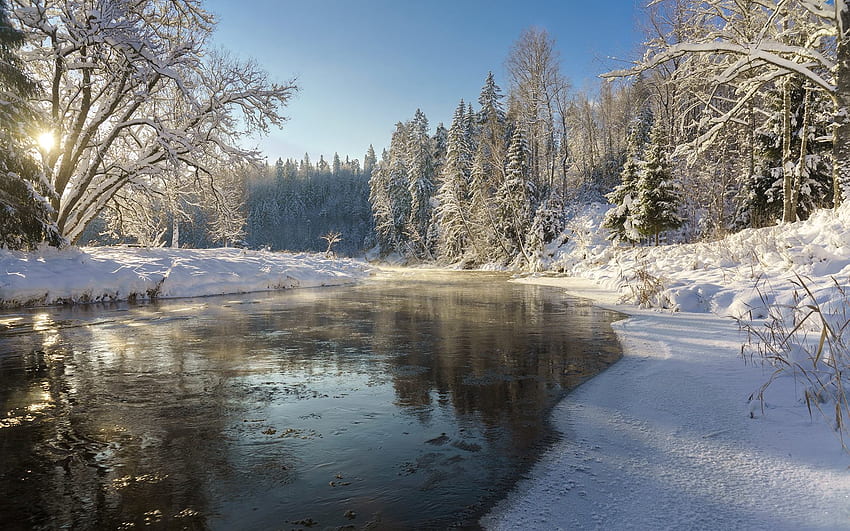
(46, 141)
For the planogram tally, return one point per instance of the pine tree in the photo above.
(25, 213)
(655, 209)
(620, 219)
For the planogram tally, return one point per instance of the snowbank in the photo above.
(669, 437)
(100, 274)
(666, 439)
(739, 276)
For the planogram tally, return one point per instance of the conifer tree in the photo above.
(25, 212)
(453, 192)
(487, 174)
(762, 196)
(369, 161)
(420, 171)
(620, 219)
(336, 165)
(514, 197)
(655, 209)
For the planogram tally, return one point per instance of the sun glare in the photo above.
(46, 140)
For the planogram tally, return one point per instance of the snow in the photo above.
(667, 438)
(101, 274)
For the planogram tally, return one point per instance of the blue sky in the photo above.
(364, 65)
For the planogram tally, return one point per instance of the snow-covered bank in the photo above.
(738, 276)
(93, 274)
(666, 439)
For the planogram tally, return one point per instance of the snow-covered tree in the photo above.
(761, 197)
(25, 212)
(452, 212)
(420, 170)
(514, 198)
(754, 44)
(369, 161)
(655, 208)
(114, 73)
(620, 220)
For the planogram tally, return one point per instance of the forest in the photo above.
(733, 116)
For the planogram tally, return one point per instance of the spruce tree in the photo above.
(369, 161)
(656, 207)
(420, 170)
(619, 220)
(25, 213)
(514, 197)
(760, 201)
(453, 192)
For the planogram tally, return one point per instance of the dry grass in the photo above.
(807, 340)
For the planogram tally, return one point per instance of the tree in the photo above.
(655, 208)
(758, 43)
(25, 212)
(452, 212)
(369, 161)
(514, 198)
(533, 66)
(620, 219)
(115, 75)
(761, 200)
(420, 170)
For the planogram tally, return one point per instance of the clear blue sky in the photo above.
(364, 65)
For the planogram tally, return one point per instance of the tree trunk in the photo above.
(175, 232)
(841, 98)
(788, 214)
(802, 171)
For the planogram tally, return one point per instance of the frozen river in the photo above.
(410, 400)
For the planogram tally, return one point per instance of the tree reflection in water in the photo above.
(409, 400)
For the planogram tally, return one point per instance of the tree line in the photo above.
(733, 117)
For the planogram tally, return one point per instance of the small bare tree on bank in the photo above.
(331, 237)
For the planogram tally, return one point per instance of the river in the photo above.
(414, 399)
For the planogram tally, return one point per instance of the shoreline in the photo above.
(664, 439)
(84, 275)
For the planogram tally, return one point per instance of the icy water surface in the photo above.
(409, 401)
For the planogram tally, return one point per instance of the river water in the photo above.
(410, 400)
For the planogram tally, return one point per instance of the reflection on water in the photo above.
(407, 401)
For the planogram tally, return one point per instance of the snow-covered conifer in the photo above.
(514, 196)
(655, 209)
(452, 213)
(25, 212)
(420, 171)
(620, 219)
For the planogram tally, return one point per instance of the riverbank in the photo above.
(108, 274)
(667, 439)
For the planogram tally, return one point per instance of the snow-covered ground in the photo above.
(94, 274)
(667, 438)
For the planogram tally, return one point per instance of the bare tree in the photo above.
(332, 237)
(535, 83)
